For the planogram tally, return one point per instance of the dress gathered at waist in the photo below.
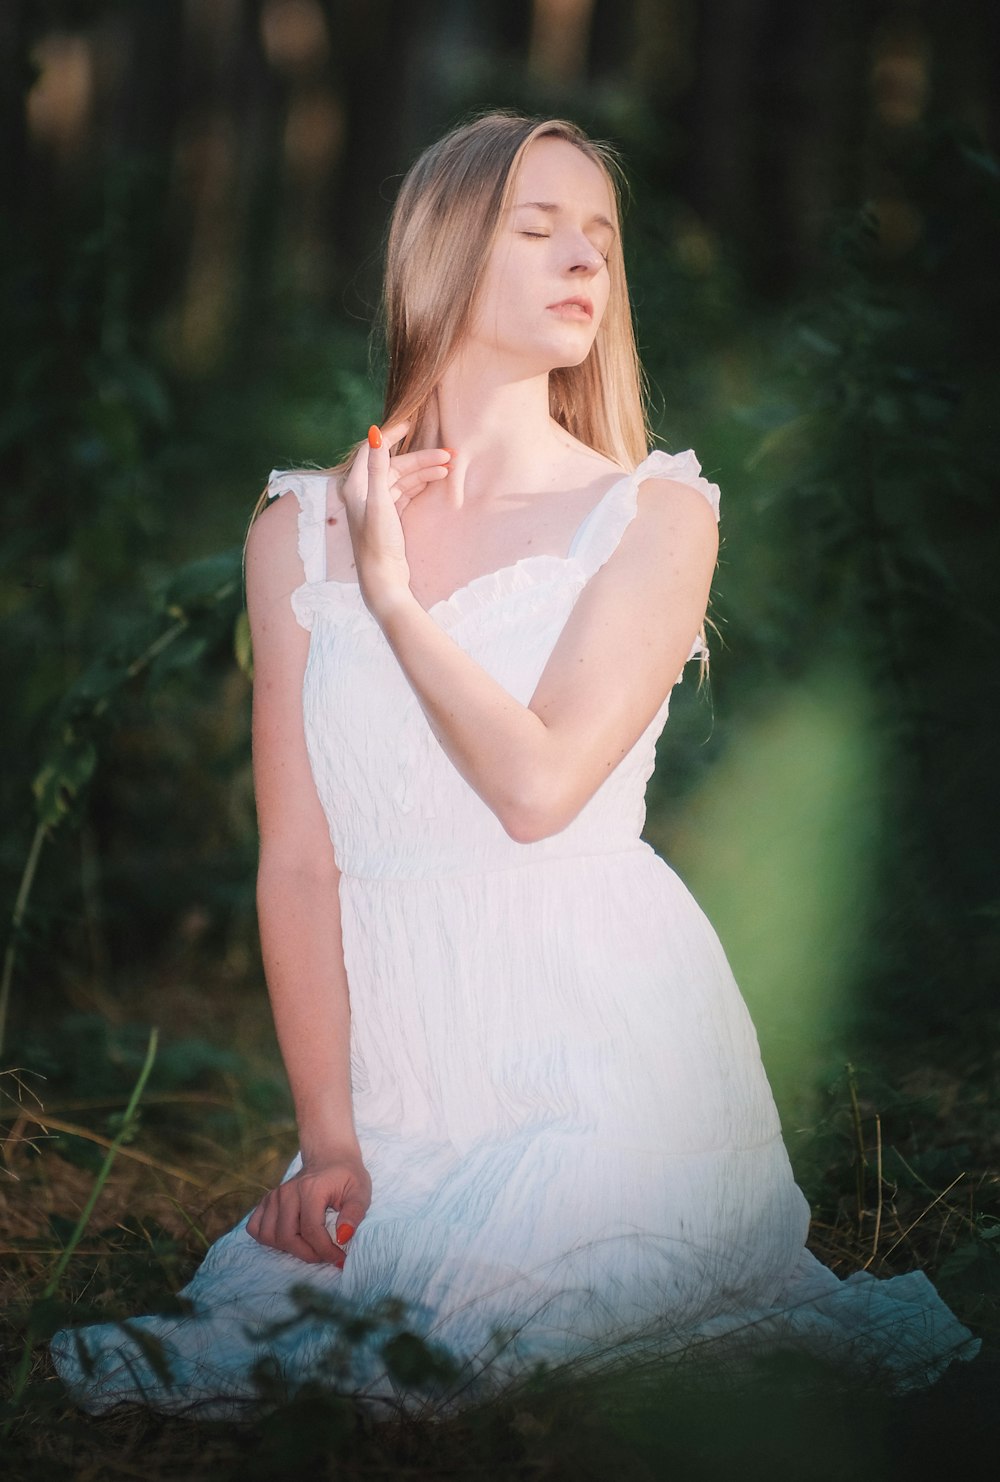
(442, 864)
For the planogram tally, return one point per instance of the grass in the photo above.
(899, 1167)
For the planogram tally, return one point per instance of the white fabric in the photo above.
(558, 1089)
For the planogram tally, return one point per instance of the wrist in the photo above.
(320, 1151)
(393, 605)
(328, 1136)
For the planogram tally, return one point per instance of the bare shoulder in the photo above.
(676, 505)
(273, 566)
(661, 569)
(274, 528)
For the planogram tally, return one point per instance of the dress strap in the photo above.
(310, 491)
(599, 535)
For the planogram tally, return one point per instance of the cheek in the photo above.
(502, 295)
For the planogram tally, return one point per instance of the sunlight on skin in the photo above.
(779, 848)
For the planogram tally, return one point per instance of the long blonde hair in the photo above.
(447, 218)
(444, 225)
(448, 215)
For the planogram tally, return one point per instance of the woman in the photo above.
(530, 1099)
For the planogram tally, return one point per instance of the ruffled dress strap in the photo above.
(599, 535)
(607, 522)
(310, 491)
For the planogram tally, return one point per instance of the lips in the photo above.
(584, 305)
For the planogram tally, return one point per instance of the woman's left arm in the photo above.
(621, 650)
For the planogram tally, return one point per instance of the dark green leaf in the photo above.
(65, 772)
(413, 1363)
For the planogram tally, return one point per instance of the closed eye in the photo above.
(544, 236)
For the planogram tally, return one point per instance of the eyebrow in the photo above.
(552, 208)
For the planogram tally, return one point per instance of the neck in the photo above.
(498, 425)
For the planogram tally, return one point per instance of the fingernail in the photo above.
(344, 1231)
(374, 437)
(452, 451)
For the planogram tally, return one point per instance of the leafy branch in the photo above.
(203, 598)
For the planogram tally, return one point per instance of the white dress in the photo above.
(558, 1090)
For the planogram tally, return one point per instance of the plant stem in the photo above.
(124, 1132)
(128, 1121)
(167, 637)
(859, 1141)
(20, 906)
(157, 646)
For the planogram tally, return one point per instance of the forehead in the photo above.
(553, 169)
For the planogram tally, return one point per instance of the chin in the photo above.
(542, 358)
(569, 352)
(572, 357)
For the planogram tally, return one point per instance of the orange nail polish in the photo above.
(374, 437)
(344, 1233)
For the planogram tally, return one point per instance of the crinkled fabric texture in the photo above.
(558, 1090)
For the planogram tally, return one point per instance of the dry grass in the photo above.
(178, 1187)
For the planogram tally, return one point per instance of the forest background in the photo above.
(194, 198)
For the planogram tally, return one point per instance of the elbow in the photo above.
(533, 815)
(525, 828)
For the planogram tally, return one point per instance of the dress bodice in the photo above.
(395, 804)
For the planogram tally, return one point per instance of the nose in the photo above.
(583, 258)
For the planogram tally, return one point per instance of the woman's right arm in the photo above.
(298, 909)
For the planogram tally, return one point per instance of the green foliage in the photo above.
(970, 1274)
(352, 1339)
(66, 770)
(873, 477)
(414, 1364)
(308, 1432)
(92, 599)
(199, 601)
(85, 1055)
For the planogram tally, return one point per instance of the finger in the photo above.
(312, 1225)
(378, 470)
(255, 1223)
(297, 1247)
(288, 1236)
(354, 488)
(412, 484)
(349, 1217)
(408, 463)
(269, 1221)
(393, 431)
(289, 1214)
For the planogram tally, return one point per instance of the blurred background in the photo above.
(194, 198)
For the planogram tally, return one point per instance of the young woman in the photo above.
(530, 1099)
